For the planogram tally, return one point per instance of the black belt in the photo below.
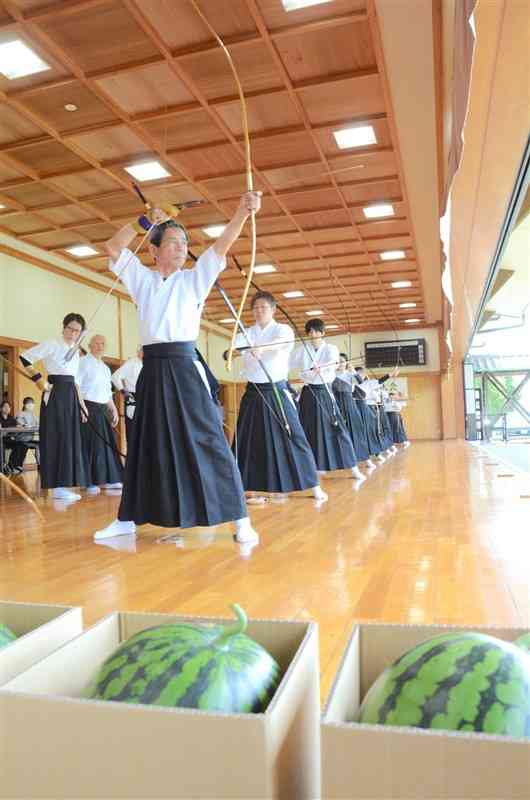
(170, 350)
(61, 379)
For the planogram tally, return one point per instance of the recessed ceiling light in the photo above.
(261, 269)
(293, 5)
(413, 320)
(226, 320)
(2, 205)
(392, 255)
(407, 305)
(315, 312)
(295, 293)
(147, 171)
(357, 136)
(380, 210)
(17, 60)
(213, 231)
(70, 107)
(81, 250)
(332, 327)
(401, 284)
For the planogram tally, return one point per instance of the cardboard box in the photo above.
(375, 761)
(40, 629)
(59, 745)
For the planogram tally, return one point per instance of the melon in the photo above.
(457, 681)
(6, 636)
(523, 642)
(190, 665)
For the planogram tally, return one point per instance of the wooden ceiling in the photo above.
(149, 82)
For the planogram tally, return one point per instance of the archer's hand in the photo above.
(84, 413)
(114, 419)
(250, 202)
(256, 352)
(158, 215)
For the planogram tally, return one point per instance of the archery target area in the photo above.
(340, 177)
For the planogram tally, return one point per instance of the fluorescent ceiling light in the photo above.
(213, 231)
(358, 136)
(315, 312)
(147, 171)
(17, 60)
(261, 269)
(226, 320)
(293, 5)
(296, 293)
(392, 255)
(407, 305)
(412, 320)
(332, 327)
(82, 250)
(401, 284)
(380, 210)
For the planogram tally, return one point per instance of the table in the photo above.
(11, 432)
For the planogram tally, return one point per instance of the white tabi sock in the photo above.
(356, 472)
(319, 494)
(116, 528)
(245, 534)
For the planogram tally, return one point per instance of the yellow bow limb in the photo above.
(249, 180)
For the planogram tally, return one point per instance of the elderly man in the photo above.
(102, 462)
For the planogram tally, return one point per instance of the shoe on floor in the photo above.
(112, 486)
(93, 490)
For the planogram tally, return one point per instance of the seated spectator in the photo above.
(25, 419)
(7, 420)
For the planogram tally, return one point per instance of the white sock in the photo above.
(245, 533)
(112, 486)
(93, 490)
(319, 494)
(356, 472)
(321, 473)
(381, 458)
(60, 492)
(117, 528)
(370, 464)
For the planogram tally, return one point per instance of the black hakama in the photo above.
(386, 430)
(269, 460)
(61, 458)
(102, 462)
(331, 444)
(352, 417)
(399, 435)
(179, 470)
(369, 419)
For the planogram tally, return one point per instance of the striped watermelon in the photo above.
(457, 681)
(6, 636)
(523, 642)
(187, 665)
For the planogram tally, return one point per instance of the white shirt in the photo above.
(326, 354)
(372, 387)
(52, 353)
(276, 359)
(126, 376)
(94, 380)
(169, 310)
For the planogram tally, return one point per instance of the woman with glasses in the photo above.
(62, 410)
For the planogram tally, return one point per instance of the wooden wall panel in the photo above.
(423, 414)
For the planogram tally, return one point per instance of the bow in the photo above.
(249, 180)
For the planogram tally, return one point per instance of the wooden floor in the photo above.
(434, 535)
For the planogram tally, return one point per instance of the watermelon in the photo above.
(458, 681)
(190, 665)
(523, 642)
(6, 636)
